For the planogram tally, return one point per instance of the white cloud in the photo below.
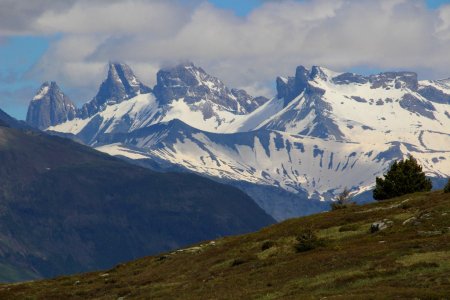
(157, 18)
(244, 51)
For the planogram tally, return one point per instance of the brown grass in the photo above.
(400, 262)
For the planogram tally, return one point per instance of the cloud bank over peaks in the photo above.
(247, 51)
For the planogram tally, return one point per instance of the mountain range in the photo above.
(322, 132)
(65, 207)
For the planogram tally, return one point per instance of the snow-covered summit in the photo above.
(388, 107)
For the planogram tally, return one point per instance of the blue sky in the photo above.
(243, 7)
(437, 3)
(20, 54)
(240, 7)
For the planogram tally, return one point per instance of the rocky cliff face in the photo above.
(193, 84)
(121, 84)
(184, 92)
(49, 107)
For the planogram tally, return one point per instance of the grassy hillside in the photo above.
(409, 259)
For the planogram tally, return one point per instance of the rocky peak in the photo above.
(49, 107)
(289, 88)
(395, 80)
(44, 90)
(318, 73)
(348, 78)
(182, 75)
(191, 83)
(120, 84)
(435, 90)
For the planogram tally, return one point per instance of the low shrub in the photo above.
(343, 200)
(267, 245)
(237, 262)
(307, 240)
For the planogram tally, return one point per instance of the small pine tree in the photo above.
(342, 200)
(447, 187)
(403, 177)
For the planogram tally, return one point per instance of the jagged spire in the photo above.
(49, 107)
(120, 84)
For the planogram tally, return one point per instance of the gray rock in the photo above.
(322, 126)
(291, 87)
(359, 99)
(380, 225)
(426, 216)
(433, 94)
(414, 105)
(121, 84)
(409, 221)
(398, 79)
(50, 107)
(285, 88)
(347, 78)
(193, 84)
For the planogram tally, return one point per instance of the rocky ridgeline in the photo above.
(200, 90)
(121, 84)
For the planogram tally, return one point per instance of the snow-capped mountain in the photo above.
(386, 107)
(294, 163)
(183, 92)
(50, 106)
(322, 132)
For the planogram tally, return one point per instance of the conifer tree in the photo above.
(447, 187)
(403, 177)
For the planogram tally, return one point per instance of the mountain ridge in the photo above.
(68, 208)
(318, 108)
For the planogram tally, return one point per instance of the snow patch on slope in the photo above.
(42, 93)
(117, 149)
